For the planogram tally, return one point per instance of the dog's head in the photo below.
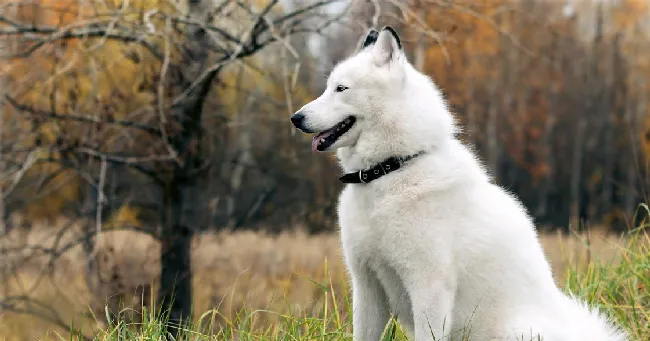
(372, 97)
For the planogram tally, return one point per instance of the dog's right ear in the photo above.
(369, 40)
(388, 47)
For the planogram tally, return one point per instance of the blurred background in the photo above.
(147, 158)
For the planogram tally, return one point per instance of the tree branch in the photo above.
(42, 35)
(81, 119)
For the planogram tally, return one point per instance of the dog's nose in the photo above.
(297, 119)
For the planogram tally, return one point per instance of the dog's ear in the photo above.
(369, 40)
(388, 46)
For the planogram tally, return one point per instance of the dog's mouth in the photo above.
(325, 139)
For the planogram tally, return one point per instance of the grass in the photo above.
(622, 287)
(253, 286)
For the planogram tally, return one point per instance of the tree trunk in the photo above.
(3, 224)
(608, 145)
(419, 53)
(175, 294)
(592, 100)
(180, 199)
(548, 159)
(4, 266)
(635, 118)
(89, 211)
(492, 138)
(576, 171)
(471, 115)
(470, 109)
(245, 159)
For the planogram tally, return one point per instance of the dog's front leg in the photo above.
(432, 306)
(369, 306)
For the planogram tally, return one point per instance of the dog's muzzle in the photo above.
(298, 120)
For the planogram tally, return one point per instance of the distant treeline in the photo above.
(553, 96)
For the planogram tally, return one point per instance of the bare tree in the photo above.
(190, 47)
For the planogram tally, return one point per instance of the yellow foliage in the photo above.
(126, 215)
(461, 57)
(629, 13)
(87, 77)
(63, 189)
(104, 79)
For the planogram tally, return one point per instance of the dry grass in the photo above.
(231, 271)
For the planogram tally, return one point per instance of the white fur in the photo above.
(435, 243)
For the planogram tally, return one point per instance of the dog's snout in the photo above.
(297, 119)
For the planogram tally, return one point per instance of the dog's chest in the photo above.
(365, 225)
(367, 242)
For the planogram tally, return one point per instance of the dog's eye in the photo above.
(341, 88)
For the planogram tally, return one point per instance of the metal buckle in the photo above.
(361, 176)
(381, 165)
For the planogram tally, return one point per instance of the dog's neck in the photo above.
(370, 152)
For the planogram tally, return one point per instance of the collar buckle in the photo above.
(383, 169)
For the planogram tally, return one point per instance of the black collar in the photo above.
(367, 175)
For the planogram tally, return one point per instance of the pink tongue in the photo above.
(316, 141)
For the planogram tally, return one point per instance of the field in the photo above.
(257, 286)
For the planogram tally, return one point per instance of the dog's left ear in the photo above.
(369, 40)
(388, 46)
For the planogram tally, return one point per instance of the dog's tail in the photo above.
(588, 323)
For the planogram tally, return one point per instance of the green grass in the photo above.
(620, 288)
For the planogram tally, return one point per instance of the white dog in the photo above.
(426, 235)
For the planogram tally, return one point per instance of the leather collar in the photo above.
(365, 176)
